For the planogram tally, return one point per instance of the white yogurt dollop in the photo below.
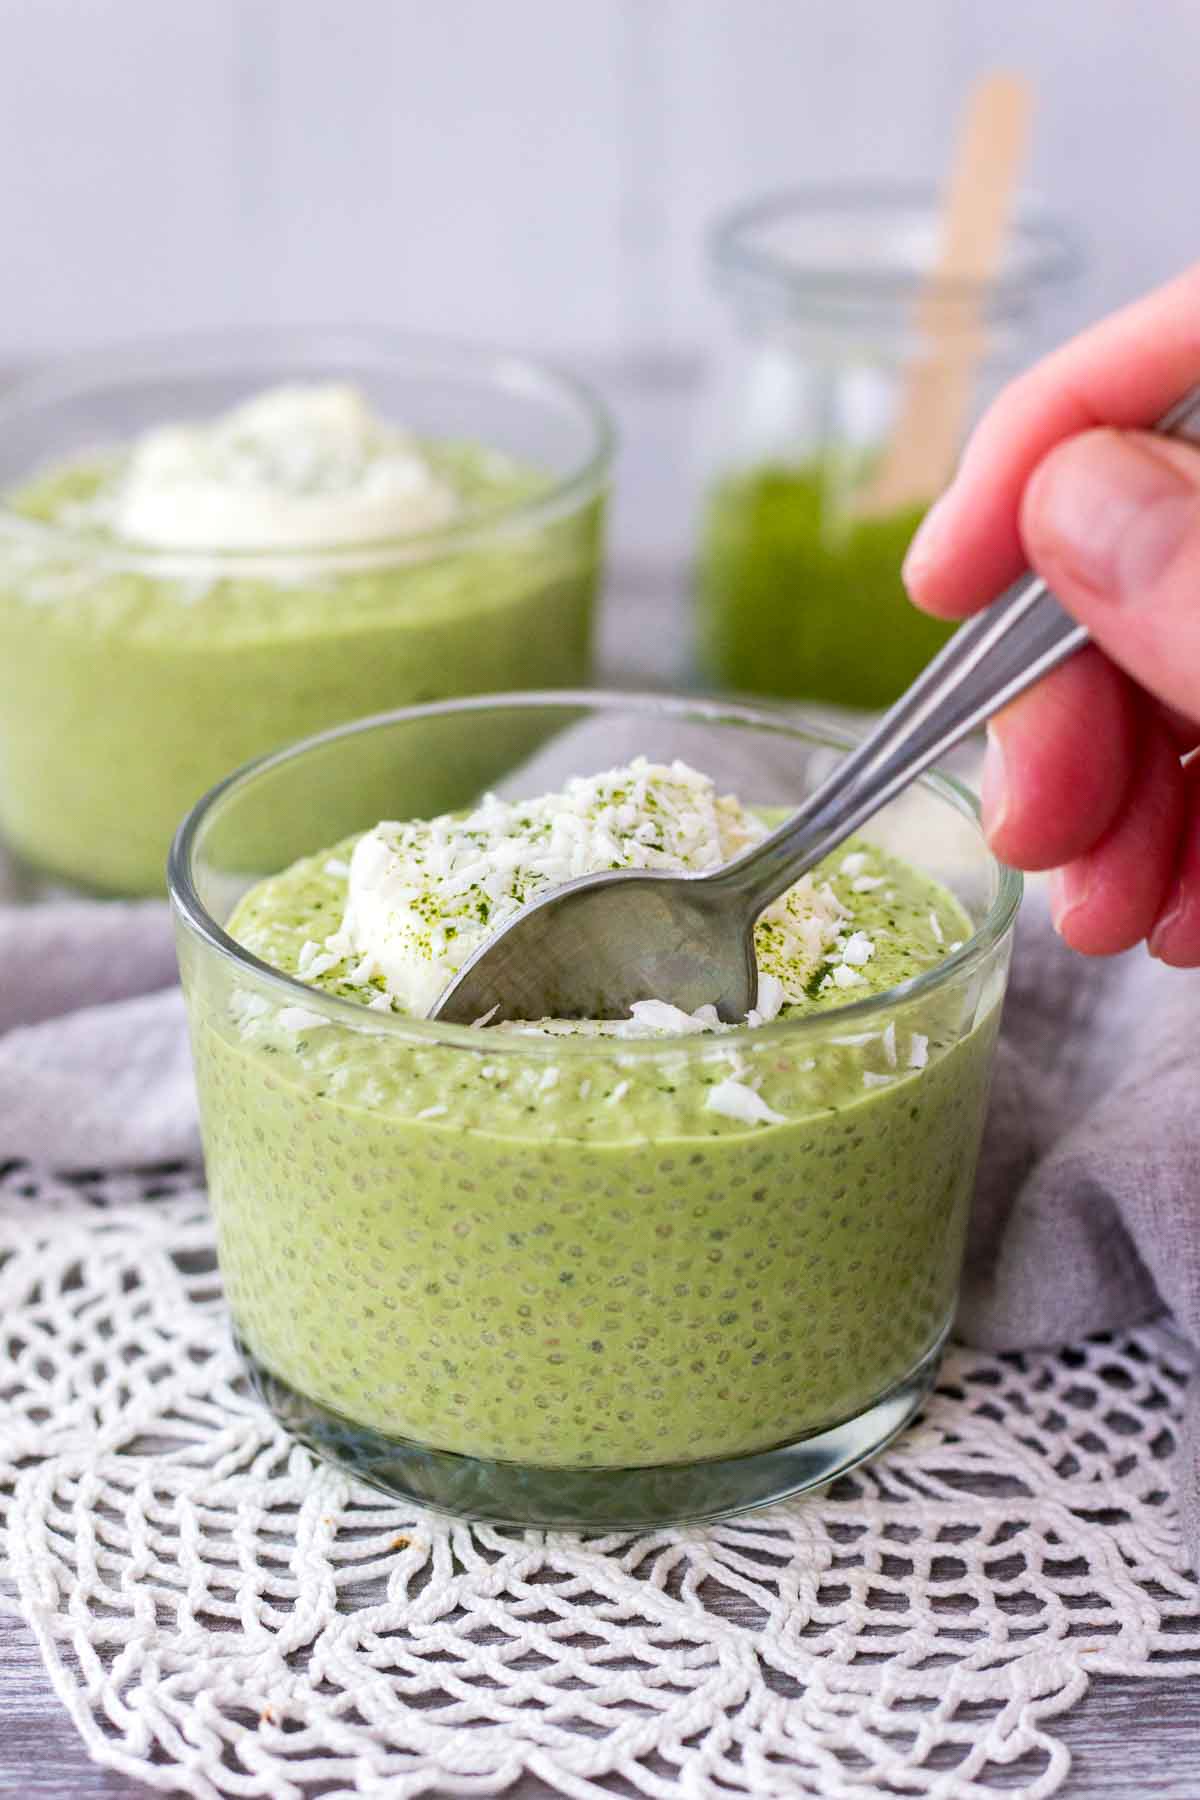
(423, 896)
(296, 468)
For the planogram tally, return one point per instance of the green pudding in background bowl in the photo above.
(211, 548)
(796, 595)
(585, 1273)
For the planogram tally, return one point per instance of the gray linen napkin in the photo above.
(94, 1064)
(1088, 1208)
(1087, 1204)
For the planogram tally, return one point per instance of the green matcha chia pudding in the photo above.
(571, 1271)
(798, 596)
(210, 550)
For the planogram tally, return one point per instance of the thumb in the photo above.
(1111, 520)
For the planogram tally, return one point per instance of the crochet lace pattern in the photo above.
(221, 1615)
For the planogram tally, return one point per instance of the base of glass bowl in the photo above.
(505, 1493)
(26, 883)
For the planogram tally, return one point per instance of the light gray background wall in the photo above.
(531, 170)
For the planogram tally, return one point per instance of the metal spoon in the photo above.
(591, 947)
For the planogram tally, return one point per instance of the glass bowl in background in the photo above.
(798, 587)
(534, 1279)
(131, 680)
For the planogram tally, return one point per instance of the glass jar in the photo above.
(798, 577)
(536, 1278)
(131, 679)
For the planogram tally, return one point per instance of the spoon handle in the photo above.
(991, 659)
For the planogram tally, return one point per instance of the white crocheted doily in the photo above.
(223, 1616)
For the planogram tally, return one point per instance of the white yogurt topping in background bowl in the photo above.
(295, 468)
(291, 456)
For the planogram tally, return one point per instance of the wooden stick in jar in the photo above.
(951, 334)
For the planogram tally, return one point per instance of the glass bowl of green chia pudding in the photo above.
(211, 548)
(576, 1272)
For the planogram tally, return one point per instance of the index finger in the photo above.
(1125, 371)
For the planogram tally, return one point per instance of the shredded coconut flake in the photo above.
(661, 1016)
(735, 1100)
(859, 950)
(935, 925)
(889, 1044)
(770, 998)
(918, 1051)
(246, 1007)
(313, 961)
(299, 1018)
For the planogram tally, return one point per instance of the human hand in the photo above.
(1087, 774)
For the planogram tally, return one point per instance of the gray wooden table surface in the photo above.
(1129, 1739)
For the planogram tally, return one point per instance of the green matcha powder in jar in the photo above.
(798, 590)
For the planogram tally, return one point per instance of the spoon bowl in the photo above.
(669, 936)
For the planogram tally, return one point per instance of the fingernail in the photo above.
(1110, 512)
(924, 547)
(995, 785)
(1159, 941)
(1069, 889)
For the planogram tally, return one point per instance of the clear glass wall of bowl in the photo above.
(131, 680)
(828, 322)
(538, 1278)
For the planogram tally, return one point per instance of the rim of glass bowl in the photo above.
(191, 910)
(1047, 251)
(217, 352)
